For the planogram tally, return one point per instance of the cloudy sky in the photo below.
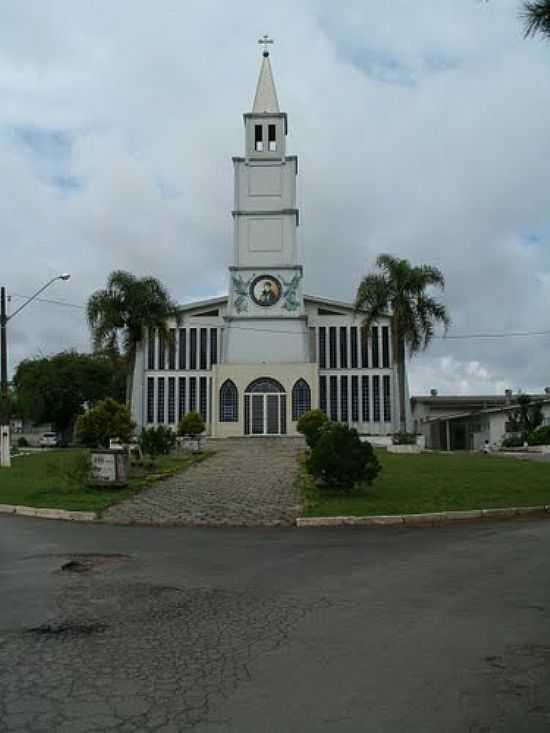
(422, 128)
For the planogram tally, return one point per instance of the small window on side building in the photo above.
(258, 138)
(271, 136)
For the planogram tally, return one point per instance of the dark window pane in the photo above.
(355, 399)
(353, 346)
(151, 349)
(364, 348)
(376, 398)
(332, 346)
(323, 394)
(258, 138)
(150, 400)
(160, 400)
(192, 348)
(213, 346)
(375, 348)
(204, 346)
(247, 415)
(162, 352)
(344, 399)
(172, 349)
(322, 348)
(385, 347)
(334, 398)
(229, 402)
(192, 394)
(171, 400)
(203, 405)
(182, 348)
(283, 414)
(181, 398)
(271, 135)
(365, 399)
(343, 347)
(301, 399)
(387, 399)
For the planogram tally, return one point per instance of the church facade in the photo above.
(254, 361)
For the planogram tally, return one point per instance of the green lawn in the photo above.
(434, 482)
(41, 480)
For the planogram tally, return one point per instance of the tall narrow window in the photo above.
(247, 414)
(203, 403)
(150, 399)
(323, 394)
(355, 398)
(385, 347)
(343, 347)
(332, 346)
(283, 413)
(151, 349)
(162, 352)
(301, 399)
(364, 348)
(172, 349)
(376, 398)
(182, 348)
(322, 347)
(344, 409)
(258, 138)
(334, 398)
(181, 398)
(375, 348)
(365, 399)
(213, 346)
(353, 346)
(192, 348)
(204, 346)
(171, 400)
(229, 410)
(160, 400)
(271, 136)
(192, 394)
(387, 398)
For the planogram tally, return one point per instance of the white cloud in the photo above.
(421, 130)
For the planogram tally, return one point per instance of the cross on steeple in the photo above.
(265, 40)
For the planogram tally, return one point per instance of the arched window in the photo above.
(229, 400)
(301, 399)
(265, 385)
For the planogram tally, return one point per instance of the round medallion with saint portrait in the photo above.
(265, 290)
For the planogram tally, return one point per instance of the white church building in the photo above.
(254, 361)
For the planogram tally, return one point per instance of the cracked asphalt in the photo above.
(106, 628)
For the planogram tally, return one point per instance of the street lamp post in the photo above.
(4, 318)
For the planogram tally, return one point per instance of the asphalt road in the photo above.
(391, 629)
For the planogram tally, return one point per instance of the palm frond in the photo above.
(536, 17)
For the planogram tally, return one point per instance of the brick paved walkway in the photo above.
(248, 482)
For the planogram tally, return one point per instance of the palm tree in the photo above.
(122, 312)
(536, 15)
(399, 290)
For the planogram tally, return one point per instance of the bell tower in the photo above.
(265, 288)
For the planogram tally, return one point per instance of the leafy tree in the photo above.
(536, 15)
(157, 441)
(526, 417)
(341, 460)
(310, 425)
(56, 388)
(119, 315)
(399, 289)
(108, 419)
(191, 424)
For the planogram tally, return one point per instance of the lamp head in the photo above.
(65, 276)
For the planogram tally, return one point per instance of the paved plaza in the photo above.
(248, 482)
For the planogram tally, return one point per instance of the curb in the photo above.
(30, 511)
(422, 520)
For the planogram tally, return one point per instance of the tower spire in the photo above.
(265, 100)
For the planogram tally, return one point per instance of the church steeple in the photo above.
(266, 125)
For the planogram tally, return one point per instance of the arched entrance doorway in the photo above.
(265, 408)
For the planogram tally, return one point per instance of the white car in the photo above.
(49, 440)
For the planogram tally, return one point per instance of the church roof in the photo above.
(265, 100)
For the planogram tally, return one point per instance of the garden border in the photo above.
(429, 519)
(48, 513)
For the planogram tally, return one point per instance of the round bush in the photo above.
(22, 442)
(191, 424)
(310, 425)
(341, 460)
(540, 436)
(157, 441)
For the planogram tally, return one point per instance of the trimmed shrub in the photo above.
(22, 442)
(157, 441)
(540, 436)
(404, 438)
(191, 424)
(513, 441)
(310, 425)
(108, 419)
(341, 460)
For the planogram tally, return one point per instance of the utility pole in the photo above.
(3, 347)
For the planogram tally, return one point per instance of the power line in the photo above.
(451, 337)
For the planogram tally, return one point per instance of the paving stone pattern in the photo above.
(248, 482)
